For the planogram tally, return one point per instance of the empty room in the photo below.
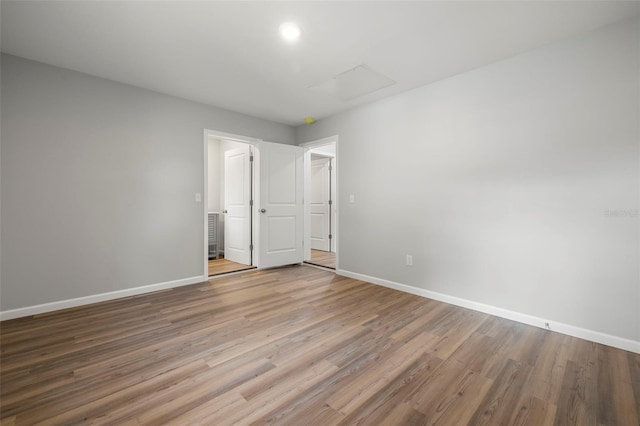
(320, 213)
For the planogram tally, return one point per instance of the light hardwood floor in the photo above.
(224, 266)
(323, 258)
(302, 346)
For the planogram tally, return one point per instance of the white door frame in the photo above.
(307, 163)
(205, 198)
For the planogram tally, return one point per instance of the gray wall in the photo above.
(515, 185)
(99, 182)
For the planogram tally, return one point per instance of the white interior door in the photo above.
(237, 211)
(279, 204)
(319, 208)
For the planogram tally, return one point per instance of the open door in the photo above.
(279, 204)
(319, 203)
(237, 220)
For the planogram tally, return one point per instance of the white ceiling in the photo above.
(230, 54)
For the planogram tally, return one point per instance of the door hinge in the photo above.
(330, 236)
(330, 202)
(251, 157)
(251, 202)
(250, 247)
(330, 168)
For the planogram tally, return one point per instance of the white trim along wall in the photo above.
(95, 298)
(513, 187)
(593, 336)
(99, 184)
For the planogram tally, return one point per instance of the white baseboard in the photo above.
(571, 330)
(71, 303)
(591, 335)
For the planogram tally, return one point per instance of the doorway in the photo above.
(256, 197)
(321, 230)
(229, 198)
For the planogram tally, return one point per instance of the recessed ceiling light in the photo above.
(290, 31)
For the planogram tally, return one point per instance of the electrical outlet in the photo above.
(352, 198)
(198, 197)
(409, 260)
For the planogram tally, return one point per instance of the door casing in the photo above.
(222, 136)
(335, 218)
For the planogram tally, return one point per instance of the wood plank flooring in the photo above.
(323, 258)
(302, 346)
(224, 266)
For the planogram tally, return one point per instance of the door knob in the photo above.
(263, 210)
(224, 211)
